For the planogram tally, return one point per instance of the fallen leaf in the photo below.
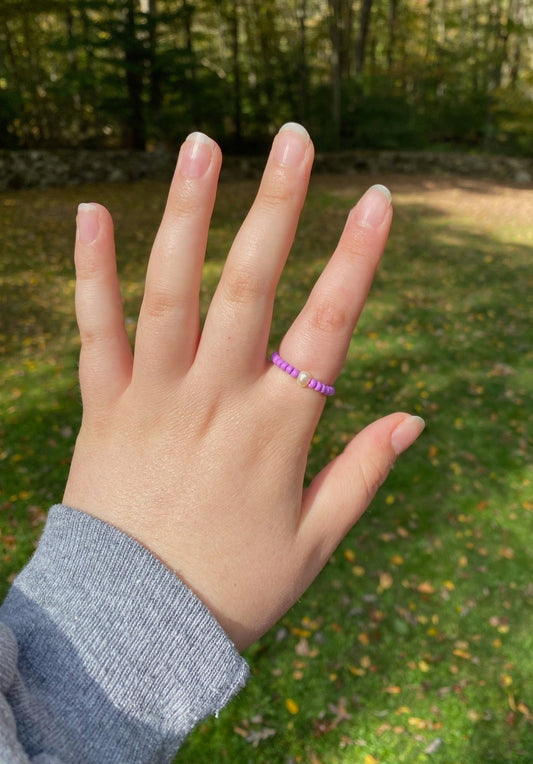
(303, 649)
(340, 712)
(385, 581)
(256, 736)
(434, 746)
(415, 721)
(291, 706)
(525, 710)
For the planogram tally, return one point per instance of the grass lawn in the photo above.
(416, 642)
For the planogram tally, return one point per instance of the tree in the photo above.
(386, 72)
(134, 60)
(364, 26)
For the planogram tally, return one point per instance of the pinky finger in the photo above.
(106, 357)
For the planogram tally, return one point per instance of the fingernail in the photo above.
(88, 223)
(373, 206)
(406, 433)
(195, 155)
(290, 145)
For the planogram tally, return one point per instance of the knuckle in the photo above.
(275, 191)
(372, 476)
(184, 201)
(87, 266)
(93, 335)
(328, 318)
(240, 287)
(360, 244)
(159, 303)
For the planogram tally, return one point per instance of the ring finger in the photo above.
(319, 338)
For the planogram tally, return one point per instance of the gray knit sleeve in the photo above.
(105, 655)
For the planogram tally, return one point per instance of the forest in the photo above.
(358, 73)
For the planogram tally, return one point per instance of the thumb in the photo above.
(342, 491)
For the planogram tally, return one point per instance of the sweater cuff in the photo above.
(118, 656)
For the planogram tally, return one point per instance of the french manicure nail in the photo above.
(374, 205)
(290, 145)
(294, 127)
(88, 223)
(406, 433)
(195, 155)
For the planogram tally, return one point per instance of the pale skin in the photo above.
(195, 444)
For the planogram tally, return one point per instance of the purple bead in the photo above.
(313, 384)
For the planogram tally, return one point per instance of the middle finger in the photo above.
(238, 322)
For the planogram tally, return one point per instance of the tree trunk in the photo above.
(336, 89)
(393, 15)
(155, 75)
(236, 66)
(304, 72)
(134, 60)
(187, 15)
(364, 26)
(39, 107)
(516, 18)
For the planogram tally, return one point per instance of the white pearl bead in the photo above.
(304, 378)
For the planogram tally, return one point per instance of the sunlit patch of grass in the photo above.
(414, 644)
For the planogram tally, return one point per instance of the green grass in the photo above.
(415, 644)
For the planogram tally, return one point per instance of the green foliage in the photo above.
(415, 643)
(513, 113)
(379, 117)
(95, 72)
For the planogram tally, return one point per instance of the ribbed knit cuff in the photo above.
(118, 657)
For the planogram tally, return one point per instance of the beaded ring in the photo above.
(303, 378)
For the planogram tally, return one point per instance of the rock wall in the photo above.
(40, 168)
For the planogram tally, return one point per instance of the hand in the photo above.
(196, 446)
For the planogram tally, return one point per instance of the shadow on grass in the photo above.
(427, 605)
(446, 334)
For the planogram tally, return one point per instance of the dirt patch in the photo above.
(484, 202)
